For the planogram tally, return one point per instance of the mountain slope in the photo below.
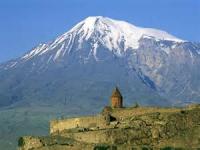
(149, 65)
(97, 32)
(75, 74)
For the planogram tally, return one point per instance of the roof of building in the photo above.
(116, 93)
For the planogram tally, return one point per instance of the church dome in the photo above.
(116, 99)
(116, 93)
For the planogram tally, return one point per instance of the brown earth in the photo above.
(128, 128)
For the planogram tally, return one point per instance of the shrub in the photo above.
(21, 142)
(105, 147)
(167, 148)
(170, 148)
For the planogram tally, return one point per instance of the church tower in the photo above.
(116, 99)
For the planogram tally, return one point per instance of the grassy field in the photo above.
(16, 122)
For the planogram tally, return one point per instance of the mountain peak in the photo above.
(115, 35)
(105, 51)
(112, 33)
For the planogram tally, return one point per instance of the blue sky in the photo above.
(26, 23)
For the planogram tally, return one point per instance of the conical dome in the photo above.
(116, 99)
(116, 93)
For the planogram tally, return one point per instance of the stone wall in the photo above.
(57, 126)
(99, 121)
(123, 113)
(174, 128)
(155, 127)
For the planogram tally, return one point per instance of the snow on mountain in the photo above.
(110, 33)
(116, 31)
(104, 51)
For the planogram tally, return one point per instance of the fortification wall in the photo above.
(122, 113)
(99, 121)
(57, 126)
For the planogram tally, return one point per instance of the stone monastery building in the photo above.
(100, 121)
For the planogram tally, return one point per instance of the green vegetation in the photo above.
(35, 121)
(171, 148)
(21, 142)
(105, 147)
(24, 121)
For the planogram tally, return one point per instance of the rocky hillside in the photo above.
(134, 128)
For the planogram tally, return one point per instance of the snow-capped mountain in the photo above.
(150, 66)
(116, 36)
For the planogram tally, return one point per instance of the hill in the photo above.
(123, 128)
